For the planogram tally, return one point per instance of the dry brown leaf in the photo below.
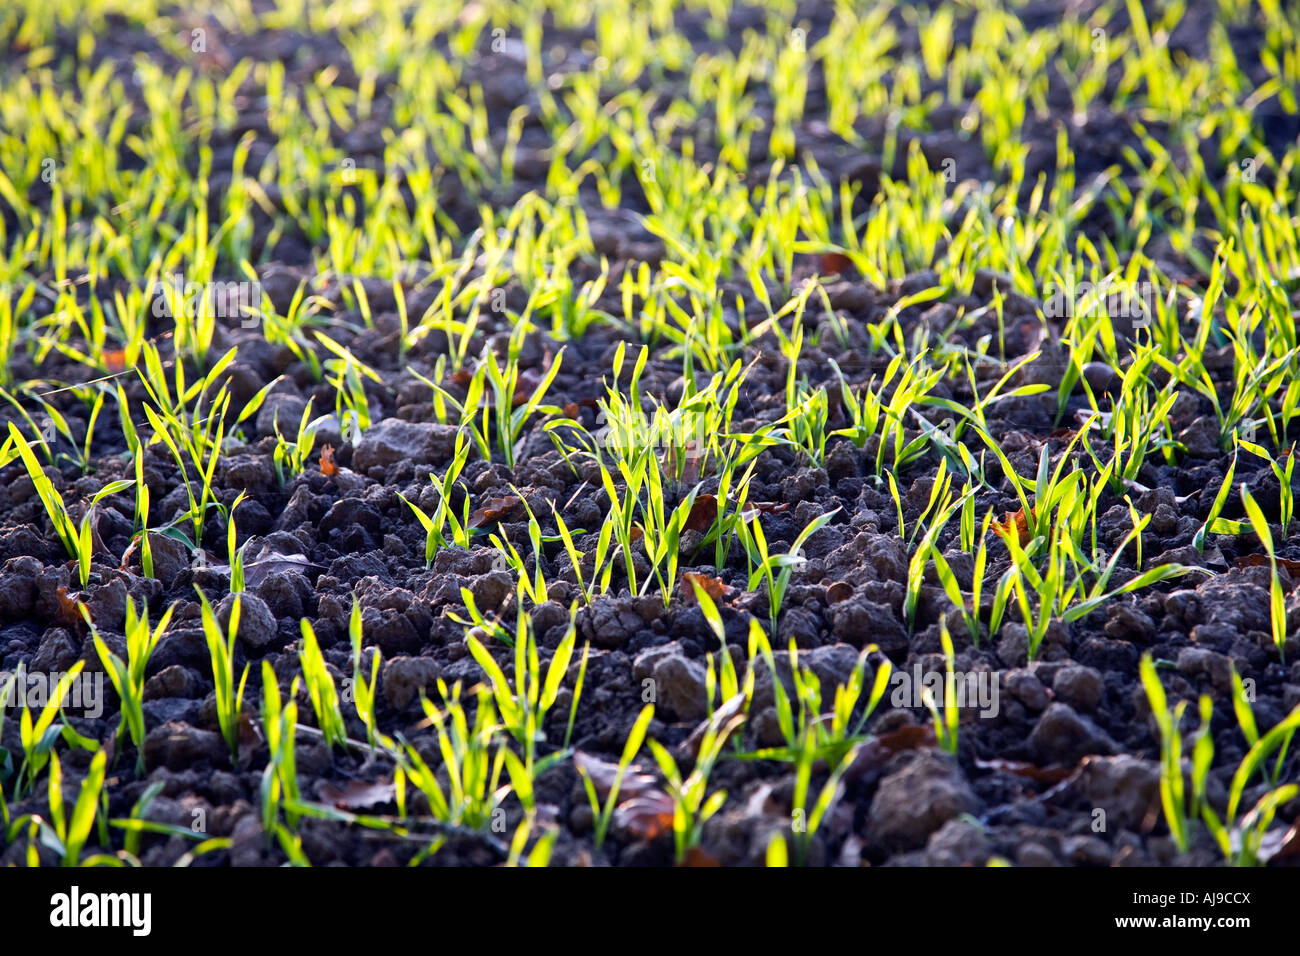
(571, 409)
(704, 511)
(268, 561)
(1261, 561)
(729, 708)
(255, 572)
(1279, 845)
(697, 857)
(756, 508)
(603, 774)
(358, 794)
(835, 263)
(907, 738)
(69, 609)
(250, 737)
(713, 587)
(877, 751)
(327, 466)
(494, 510)
(1016, 521)
(647, 816)
(1046, 775)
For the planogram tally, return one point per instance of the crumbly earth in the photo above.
(1072, 733)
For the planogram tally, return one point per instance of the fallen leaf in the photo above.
(1214, 557)
(907, 738)
(697, 857)
(255, 572)
(647, 816)
(68, 611)
(1016, 521)
(834, 263)
(494, 510)
(1261, 561)
(756, 508)
(327, 466)
(267, 561)
(761, 802)
(876, 752)
(603, 773)
(547, 814)
(114, 360)
(130, 550)
(704, 512)
(729, 708)
(713, 587)
(1277, 845)
(358, 794)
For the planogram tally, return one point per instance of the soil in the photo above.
(1072, 734)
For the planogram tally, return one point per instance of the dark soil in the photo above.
(1072, 734)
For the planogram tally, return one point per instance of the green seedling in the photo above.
(78, 538)
(1277, 598)
(435, 525)
(1239, 838)
(290, 457)
(280, 778)
(602, 814)
(320, 688)
(221, 654)
(944, 715)
(523, 707)
(762, 564)
(128, 677)
(805, 820)
(693, 805)
(38, 736)
(833, 734)
(137, 825)
(67, 835)
(364, 697)
(472, 761)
